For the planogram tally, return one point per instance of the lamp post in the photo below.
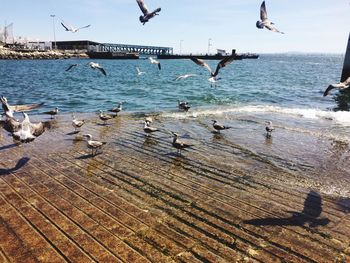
(181, 46)
(209, 44)
(54, 32)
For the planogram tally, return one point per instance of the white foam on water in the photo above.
(340, 117)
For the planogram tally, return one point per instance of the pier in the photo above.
(140, 202)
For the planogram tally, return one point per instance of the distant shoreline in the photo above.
(8, 54)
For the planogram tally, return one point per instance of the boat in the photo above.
(113, 55)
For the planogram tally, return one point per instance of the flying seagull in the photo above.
(219, 127)
(265, 22)
(342, 85)
(27, 131)
(183, 105)
(213, 75)
(93, 145)
(179, 145)
(10, 109)
(53, 112)
(71, 66)
(139, 72)
(147, 15)
(148, 129)
(185, 76)
(77, 123)
(71, 28)
(94, 65)
(269, 129)
(153, 61)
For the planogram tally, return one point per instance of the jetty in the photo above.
(138, 201)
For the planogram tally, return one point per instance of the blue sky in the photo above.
(310, 25)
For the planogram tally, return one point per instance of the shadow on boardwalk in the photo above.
(21, 162)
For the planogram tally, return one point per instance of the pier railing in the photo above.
(142, 50)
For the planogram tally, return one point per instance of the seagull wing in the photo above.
(38, 128)
(143, 7)
(159, 66)
(83, 27)
(5, 105)
(71, 66)
(223, 63)
(10, 125)
(201, 63)
(271, 27)
(28, 107)
(347, 82)
(67, 27)
(138, 70)
(103, 71)
(263, 13)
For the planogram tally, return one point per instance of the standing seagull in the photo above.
(10, 109)
(148, 129)
(213, 75)
(139, 72)
(77, 123)
(183, 105)
(94, 65)
(179, 145)
(269, 129)
(27, 131)
(93, 145)
(219, 127)
(71, 66)
(53, 112)
(147, 15)
(117, 109)
(104, 117)
(265, 22)
(342, 85)
(71, 28)
(153, 61)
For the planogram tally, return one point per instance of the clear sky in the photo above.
(310, 25)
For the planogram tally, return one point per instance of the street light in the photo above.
(54, 32)
(209, 44)
(181, 46)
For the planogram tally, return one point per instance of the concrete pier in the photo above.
(346, 68)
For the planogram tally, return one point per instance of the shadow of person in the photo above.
(21, 162)
(308, 216)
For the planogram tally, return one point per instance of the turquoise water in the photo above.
(277, 80)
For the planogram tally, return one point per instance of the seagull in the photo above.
(117, 109)
(27, 131)
(9, 110)
(148, 129)
(265, 22)
(213, 75)
(269, 129)
(93, 145)
(185, 76)
(342, 85)
(149, 119)
(147, 15)
(183, 105)
(105, 117)
(139, 72)
(71, 66)
(153, 61)
(52, 112)
(179, 145)
(94, 65)
(71, 28)
(219, 127)
(77, 123)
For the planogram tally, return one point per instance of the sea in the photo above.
(312, 132)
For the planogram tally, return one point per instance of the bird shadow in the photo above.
(87, 156)
(104, 124)
(344, 205)
(5, 147)
(20, 163)
(309, 215)
(72, 133)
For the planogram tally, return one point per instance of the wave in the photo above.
(340, 117)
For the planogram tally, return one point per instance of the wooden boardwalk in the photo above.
(140, 202)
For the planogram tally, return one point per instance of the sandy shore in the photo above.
(233, 197)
